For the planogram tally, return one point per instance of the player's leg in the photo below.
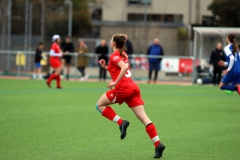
(57, 67)
(219, 76)
(68, 71)
(68, 65)
(103, 107)
(104, 75)
(151, 67)
(149, 75)
(238, 84)
(215, 76)
(227, 79)
(35, 73)
(40, 72)
(150, 129)
(136, 104)
(63, 63)
(100, 73)
(157, 68)
(58, 79)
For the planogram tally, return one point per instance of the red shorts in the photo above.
(55, 62)
(131, 96)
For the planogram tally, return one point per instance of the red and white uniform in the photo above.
(55, 54)
(125, 90)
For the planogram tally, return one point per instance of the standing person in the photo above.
(67, 48)
(216, 56)
(125, 91)
(232, 72)
(82, 59)
(102, 51)
(129, 50)
(154, 63)
(38, 58)
(55, 54)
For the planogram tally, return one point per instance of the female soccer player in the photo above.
(55, 54)
(231, 74)
(125, 91)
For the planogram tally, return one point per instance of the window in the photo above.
(139, 2)
(135, 17)
(97, 14)
(207, 21)
(155, 17)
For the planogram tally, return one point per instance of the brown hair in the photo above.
(120, 41)
(232, 39)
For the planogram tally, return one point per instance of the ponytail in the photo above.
(231, 38)
(234, 46)
(123, 48)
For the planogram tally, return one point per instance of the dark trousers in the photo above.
(82, 70)
(217, 75)
(150, 75)
(102, 73)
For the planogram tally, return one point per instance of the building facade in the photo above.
(144, 20)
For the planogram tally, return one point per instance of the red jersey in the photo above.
(114, 70)
(56, 49)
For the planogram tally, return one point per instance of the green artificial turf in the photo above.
(37, 123)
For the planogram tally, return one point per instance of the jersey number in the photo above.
(128, 74)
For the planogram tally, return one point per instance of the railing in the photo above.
(189, 68)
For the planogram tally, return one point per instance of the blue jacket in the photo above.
(156, 50)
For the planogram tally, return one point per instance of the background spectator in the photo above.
(154, 63)
(216, 56)
(102, 51)
(38, 58)
(82, 59)
(67, 48)
(129, 51)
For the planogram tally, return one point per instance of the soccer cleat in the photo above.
(123, 128)
(159, 150)
(228, 92)
(48, 84)
(59, 87)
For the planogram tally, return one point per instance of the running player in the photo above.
(55, 54)
(125, 90)
(231, 74)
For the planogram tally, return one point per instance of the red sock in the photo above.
(53, 76)
(110, 114)
(58, 80)
(152, 133)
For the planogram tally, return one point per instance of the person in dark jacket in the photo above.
(102, 51)
(67, 48)
(154, 63)
(38, 58)
(216, 56)
(129, 50)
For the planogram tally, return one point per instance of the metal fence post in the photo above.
(26, 28)
(19, 66)
(29, 38)
(194, 73)
(9, 12)
(70, 18)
